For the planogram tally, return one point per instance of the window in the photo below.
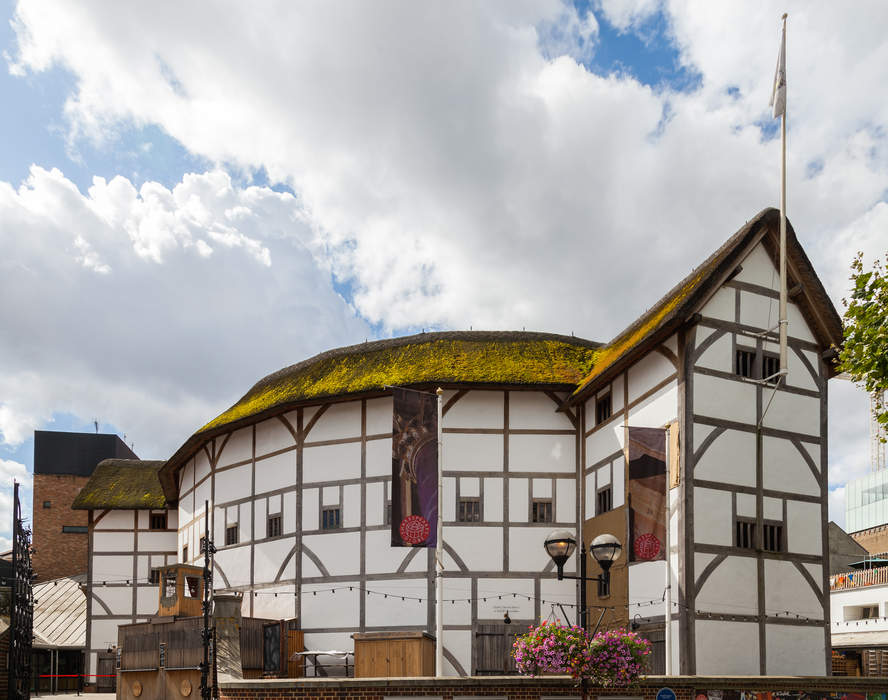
(231, 533)
(602, 409)
(745, 535)
(542, 510)
(772, 536)
(744, 363)
(154, 576)
(75, 529)
(185, 554)
(158, 521)
(273, 526)
(387, 513)
(331, 518)
(469, 510)
(604, 587)
(605, 500)
(770, 367)
(47, 504)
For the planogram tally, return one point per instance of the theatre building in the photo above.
(536, 426)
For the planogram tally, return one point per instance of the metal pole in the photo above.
(206, 634)
(668, 593)
(439, 553)
(583, 613)
(783, 294)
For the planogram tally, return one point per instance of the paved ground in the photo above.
(88, 696)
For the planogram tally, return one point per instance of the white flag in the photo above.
(778, 91)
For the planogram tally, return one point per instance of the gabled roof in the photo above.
(683, 300)
(60, 614)
(122, 484)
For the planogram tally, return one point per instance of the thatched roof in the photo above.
(122, 484)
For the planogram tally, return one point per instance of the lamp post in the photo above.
(561, 544)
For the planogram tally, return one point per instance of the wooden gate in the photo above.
(492, 647)
(106, 673)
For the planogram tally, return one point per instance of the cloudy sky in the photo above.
(193, 195)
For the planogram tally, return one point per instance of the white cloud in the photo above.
(837, 506)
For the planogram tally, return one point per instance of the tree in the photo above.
(864, 355)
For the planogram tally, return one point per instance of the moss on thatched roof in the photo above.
(122, 484)
(465, 357)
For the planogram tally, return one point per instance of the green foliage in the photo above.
(864, 355)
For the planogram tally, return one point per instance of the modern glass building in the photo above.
(866, 501)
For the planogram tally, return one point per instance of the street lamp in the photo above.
(561, 544)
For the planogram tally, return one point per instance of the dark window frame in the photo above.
(540, 507)
(47, 504)
(331, 518)
(154, 576)
(604, 408)
(185, 554)
(75, 529)
(155, 520)
(604, 497)
(232, 534)
(469, 510)
(274, 525)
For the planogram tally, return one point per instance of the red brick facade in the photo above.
(525, 688)
(58, 553)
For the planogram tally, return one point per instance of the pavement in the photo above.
(72, 694)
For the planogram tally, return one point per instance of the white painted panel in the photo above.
(758, 310)
(493, 500)
(473, 452)
(276, 472)
(458, 613)
(142, 567)
(379, 457)
(104, 633)
(246, 521)
(310, 514)
(260, 526)
(563, 592)
(714, 657)
(795, 651)
(618, 488)
(289, 512)
(701, 432)
(238, 448)
(773, 508)
(589, 510)
(351, 506)
(718, 355)
(330, 462)
(268, 558)
(375, 503)
(731, 588)
(729, 459)
(143, 519)
(448, 499)
(480, 548)
(116, 520)
(542, 488)
(546, 453)
(202, 494)
(603, 475)
(470, 486)
(330, 496)
(218, 525)
(721, 305)
(788, 592)
(803, 528)
(646, 582)
(617, 396)
(459, 644)
(800, 414)
(605, 442)
(518, 499)
(118, 598)
(657, 410)
(272, 435)
(113, 542)
(535, 410)
(797, 327)
(172, 519)
(187, 475)
(267, 605)
(201, 466)
(724, 398)
(111, 567)
(234, 483)
(387, 612)
(526, 551)
(339, 551)
(235, 563)
(147, 600)
(499, 593)
(746, 505)
(565, 500)
(649, 371)
(379, 416)
(340, 420)
(758, 268)
(476, 409)
(712, 517)
(157, 541)
(798, 373)
(381, 557)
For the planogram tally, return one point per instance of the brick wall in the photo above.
(874, 540)
(58, 554)
(526, 688)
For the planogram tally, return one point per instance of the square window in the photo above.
(331, 518)
(154, 576)
(158, 521)
(770, 367)
(185, 554)
(47, 504)
(541, 510)
(602, 409)
(469, 510)
(744, 363)
(231, 534)
(745, 533)
(273, 526)
(605, 500)
(772, 537)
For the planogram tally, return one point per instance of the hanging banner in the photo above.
(647, 494)
(414, 469)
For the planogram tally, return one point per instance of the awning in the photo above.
(870, 638)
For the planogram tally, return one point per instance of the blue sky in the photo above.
(340, 177)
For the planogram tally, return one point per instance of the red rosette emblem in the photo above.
(414, 529)
(646, 546)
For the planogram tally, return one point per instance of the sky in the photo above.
(194, 195)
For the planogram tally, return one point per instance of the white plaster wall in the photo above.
(351, 506)
(392, 611)
(116, 520)
(330, 462)
(268, 557)
(657, 410)
(649, 371)
(375, 503)
(729, 459)
(448, 499)
(379, 416)
(476, 409)
(234, 483)
(458, 643)
(104, 633)
(792, 650)
(618, 487)
(493, 500)
(797, 327)
(589, 509)
(110, 567)
(758, 310)
(382, 558)
(325, 609)
(201, 466)
(535, 410)
(803, 528)
(202, 494)
(732, 588)
(787, 591)
(526, 552)
(119, 598)
(718, 355)
(720, 306)
(157, 541)
(617, 397)
(480, 548)
(604, 442)
(716, 657)
(457, 613)
(113, 542)
(758, 268)
(340, 420)
(647, 581)
(464, 452)
(239, 448)
(379, 457)
(724, 398)
(147, 600)
(800, 414)
(498, 592)
(565, 500)
(339, 551)
(712, 517)
(272, 435)
(276, 472)
(518, 500)
(547, 453)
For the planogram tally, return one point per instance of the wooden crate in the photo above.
(394, 654)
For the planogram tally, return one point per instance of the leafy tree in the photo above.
(864, 355)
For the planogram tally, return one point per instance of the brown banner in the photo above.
(414, 469)
(647, 494)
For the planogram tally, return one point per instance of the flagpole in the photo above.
(667, 594)
(439, 554)
(783, 294)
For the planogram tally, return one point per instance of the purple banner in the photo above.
(414, 469)
(647, 494)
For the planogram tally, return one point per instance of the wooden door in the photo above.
(106, 680)
(492, 647)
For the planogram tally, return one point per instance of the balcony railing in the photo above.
(859, 579)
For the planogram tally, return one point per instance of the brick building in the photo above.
(63, 463)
